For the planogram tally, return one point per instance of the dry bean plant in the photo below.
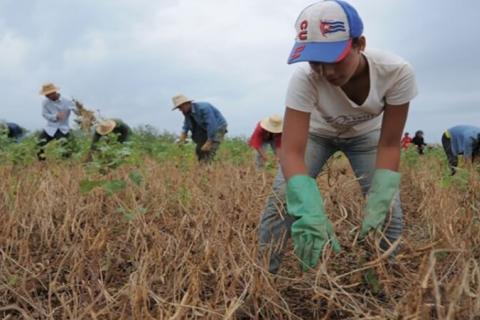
(182, 244)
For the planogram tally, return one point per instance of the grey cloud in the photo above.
(128, 58)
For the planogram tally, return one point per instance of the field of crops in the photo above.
(144, 232)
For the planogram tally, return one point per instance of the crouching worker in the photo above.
(419, 141)
(12, 131)
(109, 127)
(268, 132)
(461, 140)
(207, 124)
(348, 99)
(406, 141)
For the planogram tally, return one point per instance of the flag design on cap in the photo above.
(331, 26)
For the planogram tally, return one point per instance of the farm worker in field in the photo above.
(207, 124)
(406, 141)
(348, 99)
(109, 127)
(461, 140)
(419, 141)
(268, 132)
(56, 110)
(12, 130)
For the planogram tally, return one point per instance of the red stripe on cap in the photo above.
(297, 53)
(345, 51)
(299, 49)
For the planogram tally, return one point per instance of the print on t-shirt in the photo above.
(345, 122)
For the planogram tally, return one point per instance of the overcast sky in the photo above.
(128, 57)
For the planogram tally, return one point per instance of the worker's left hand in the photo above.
(61, 115)
(207, 146)
(384, 186)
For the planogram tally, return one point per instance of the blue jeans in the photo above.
(361, 151)
(259, 162)
(200, 136)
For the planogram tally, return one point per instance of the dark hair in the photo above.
(419, 132)
(355, 42)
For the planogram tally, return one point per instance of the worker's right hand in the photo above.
(182, 139)
(312, 229)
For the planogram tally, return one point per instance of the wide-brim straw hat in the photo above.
(178, 100)
(272, 124)
(105, 127)
(48, 88)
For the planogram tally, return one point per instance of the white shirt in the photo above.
(392, 81)
(50, 109)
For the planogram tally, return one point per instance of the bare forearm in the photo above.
(262, 153)
(292, 165)
(388, 152)
(388, 157)
(294, 142)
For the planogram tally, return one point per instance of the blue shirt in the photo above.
(14, 130)
(463, 139)
(50, 110)
(206, 117)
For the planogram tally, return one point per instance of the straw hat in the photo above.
(48, 88)
(178, 100)
(272, 124)
(104, 127)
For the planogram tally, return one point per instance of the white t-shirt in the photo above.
(392, 81)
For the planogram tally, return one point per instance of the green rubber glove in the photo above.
(312, 229)
(385, 184)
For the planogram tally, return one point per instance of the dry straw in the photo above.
(192, 254)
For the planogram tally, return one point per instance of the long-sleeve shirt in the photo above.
(463, 139)
(205, 116)
(50, 110)
(260, 136)
(14, 130)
